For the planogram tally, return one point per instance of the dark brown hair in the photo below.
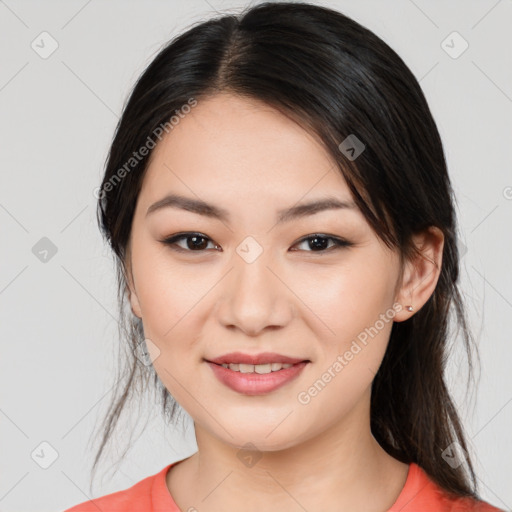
(335, 78)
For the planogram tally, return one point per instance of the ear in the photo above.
(130, 290)
(421, 272)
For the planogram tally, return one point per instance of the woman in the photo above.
(277, 199)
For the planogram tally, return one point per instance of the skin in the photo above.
(243, 156)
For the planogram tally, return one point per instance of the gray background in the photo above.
(58, 317)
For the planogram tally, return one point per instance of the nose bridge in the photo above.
(254, 297)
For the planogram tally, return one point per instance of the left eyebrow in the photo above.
(319, 205)
(201, 207)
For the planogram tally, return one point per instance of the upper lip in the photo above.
(263, 358)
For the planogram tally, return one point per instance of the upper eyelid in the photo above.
(187, 234)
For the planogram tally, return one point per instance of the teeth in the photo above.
(256, 368)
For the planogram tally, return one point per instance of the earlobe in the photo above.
(132, 296)
(134, 302)
(129, 282)
(421, 273)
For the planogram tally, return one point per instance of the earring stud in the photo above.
(409, 308)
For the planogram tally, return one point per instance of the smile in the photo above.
(256, 368)
(249, 379)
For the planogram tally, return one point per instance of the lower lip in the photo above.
(256, 383)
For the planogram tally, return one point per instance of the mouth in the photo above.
(260, 359)
(256, 379)
(260, 369)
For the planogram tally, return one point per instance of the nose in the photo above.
(254, 296)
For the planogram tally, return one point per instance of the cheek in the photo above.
(171, 310)
(166, 293)
(353, 303)
(356, 309)
(172, 305)
(347, 298)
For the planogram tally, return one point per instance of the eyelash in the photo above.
(338, 242)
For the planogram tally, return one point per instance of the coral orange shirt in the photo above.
(419, 494)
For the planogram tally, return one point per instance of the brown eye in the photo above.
(320, 243)
(194, 242)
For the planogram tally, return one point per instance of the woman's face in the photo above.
(251, 281)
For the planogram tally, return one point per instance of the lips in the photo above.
(254, 383)
(263, 358)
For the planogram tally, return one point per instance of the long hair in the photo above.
(335, 78)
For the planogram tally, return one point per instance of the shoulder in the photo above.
(139, 496)
(421, 494)
(471, 505)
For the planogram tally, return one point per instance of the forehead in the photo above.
(228, 145)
